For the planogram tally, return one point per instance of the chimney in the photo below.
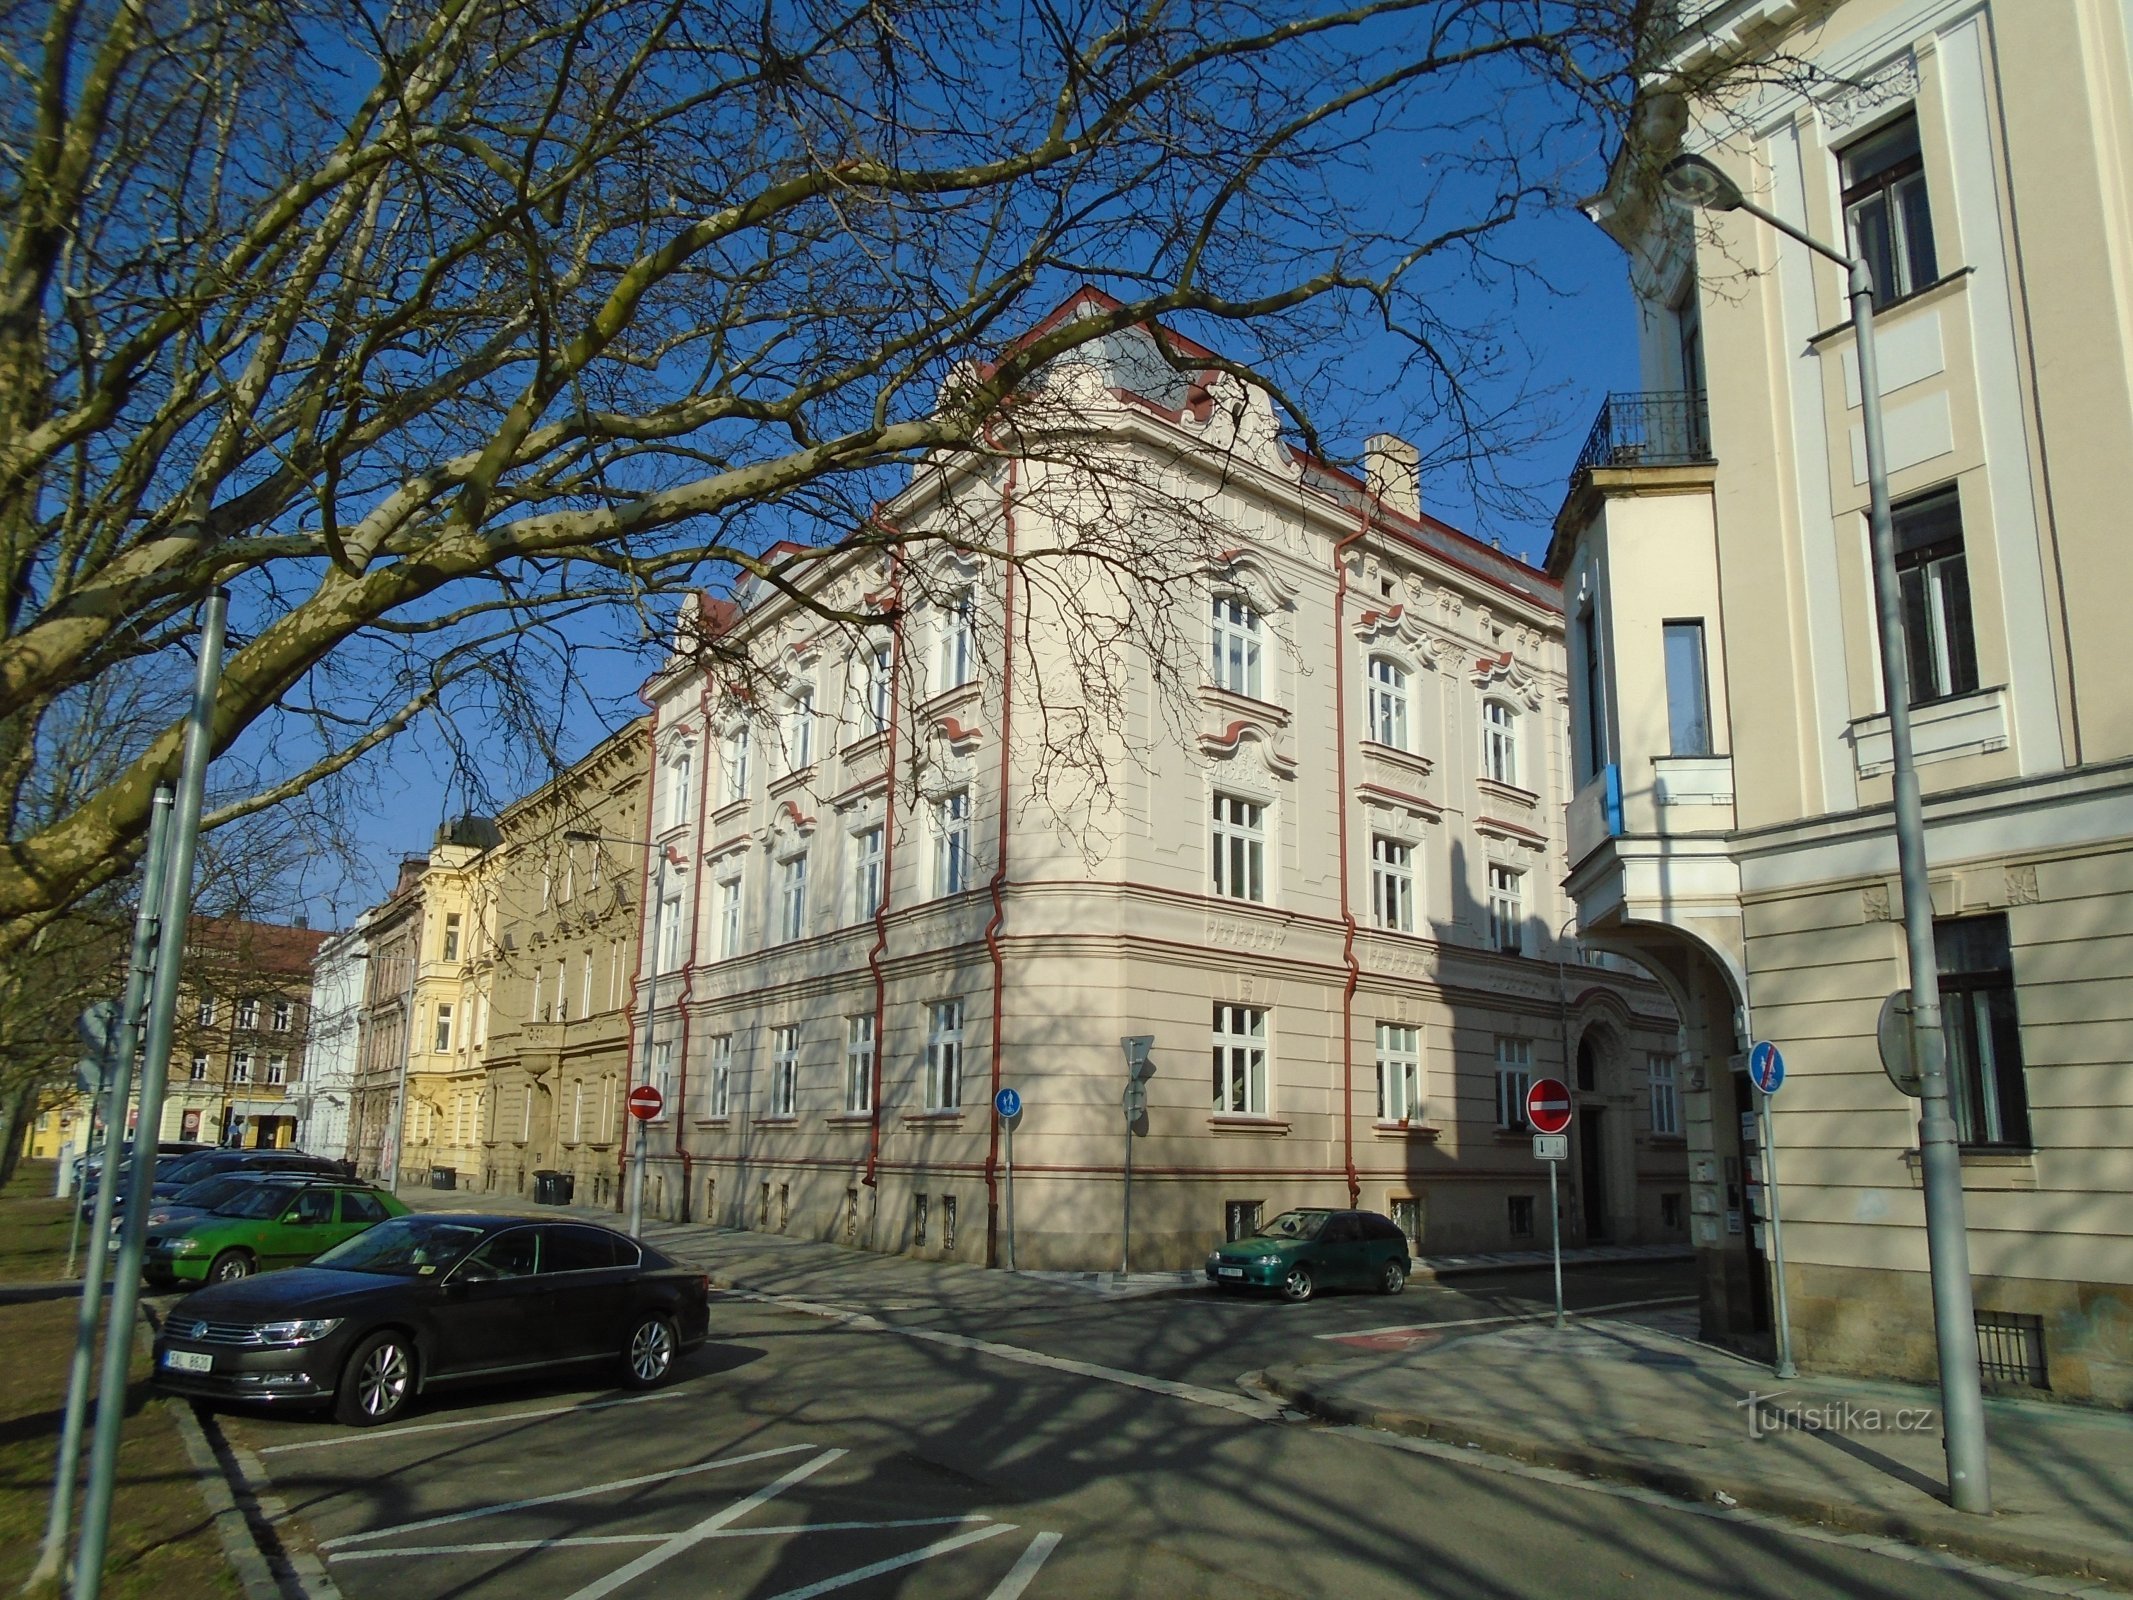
(302, 923)
(1393, 469)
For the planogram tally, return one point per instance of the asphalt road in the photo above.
(992, 1440)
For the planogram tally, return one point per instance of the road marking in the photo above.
(364, 1437)
(1515, 1316)
(630, 1571)
(577, 1541)
(1019, 1575)
(939, 1547)
(552, 1499)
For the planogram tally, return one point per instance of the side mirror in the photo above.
(297, 1219)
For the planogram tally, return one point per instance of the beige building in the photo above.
(1297, 821)
(1731, 822)
(237, 1051)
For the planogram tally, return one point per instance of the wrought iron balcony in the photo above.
(1669, 428)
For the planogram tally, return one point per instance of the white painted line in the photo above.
(1019, 1575)
(1539, 1315)
(844, 1580)
(552, 1499)
(361, 1436)
(630, 1571)
(593, 1540)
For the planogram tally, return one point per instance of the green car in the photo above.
(269, 1224)
(1302, 1252)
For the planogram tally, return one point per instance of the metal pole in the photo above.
(1011, 1194)
(1785, 1367)
(175, 909)
(1125, 1254)
(1555, 1242)
(651, 1016)
(140, 964)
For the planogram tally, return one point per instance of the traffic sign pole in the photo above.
(1766, 1069)
(1008, 1104)
(1555, 1241)
(1548, 1110)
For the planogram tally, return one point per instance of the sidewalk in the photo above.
(1640, 1400)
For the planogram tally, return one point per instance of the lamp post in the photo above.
(651, 1003)
(1697, 183)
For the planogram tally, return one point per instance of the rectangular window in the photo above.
(721, 1096)
(951, 843)
(947, 1222)
(1499, 742)
(241, 1067)
(1234, 647)
(944, 1056)
(1507, 910)
(1940, 652)
(248, 1013)
(729, 917)
(1385, 703)
(562, 992)
(662, 1077)
(1240, 1219)
(669, 936)
(733, 759)
(792, 899)
(1240, 1061)
(1986, 1089)
(859, 1063)
(577, 1112)
(784, 1071)
(443, 1042)
(800, 732)
(1688, 703)
(1666, 1094)
(1886, 213)
(1239, 848)
(585, 985)
(918, 1219)
(1399, 1073)
(880, 684)
(867, 857)
(1392, 884)
(278, 1018)
(1521, 1217)
(956, 655)
(199, 1068)
(277, 1069)
(1670, 1212)
(681, 768)
(206, 1012)
(1514, 1076)
(1595, 691)
(1407, 1217)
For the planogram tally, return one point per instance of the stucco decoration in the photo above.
(1504, 675)
(945, 763)
(789, 831)
(1248, 572)
(1401, 625)
(2022, 886)
(1856, 99)
(1243, 745)
(1874, 903)
(1241, 423)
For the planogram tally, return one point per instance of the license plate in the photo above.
(1229, 1272)
(188, 1361)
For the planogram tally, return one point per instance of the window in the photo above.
(1670, 1212)
(1399, 1073)
(199, 1068)
(1514, 1076)
(1240, 1061)
(248, 1013)
(784, 1071)
(241, 1066)
(867, 857)
(951, 843)
(880, 684)
(1392, 884)
(585, 984)
(562, 991)
(947, 1222)
(1407, 1217)
(540, 977)
(277, 1069)
(680, 766)
(721, 1099)
(1385, 703)
(859, 1063)
(206, 1013)
(1499, 742)
(1239, 848)
(1234, 655)
(733, 758)
(1688, 704)
(577, 1112)
(669, 947)
(1507, 910)
(1933, 580)
(1595, 677)
(1240, 1219)
(1521, 1218)
(662, 1077)
(792, 898)
(729, 916)
(956, 653)
(1986, 1089)
(481, 1017)
(944, 1056)
(1885, 211)
(1666, 1094)
(800, 732)
(918, 1219)
(444, 1028)
(450, 952)
(278, 1017)
(357, 1206)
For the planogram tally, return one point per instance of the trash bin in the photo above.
(444, 1177)
(548, 1187)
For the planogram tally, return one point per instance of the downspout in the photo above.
(1340, 810)
(688, 965)
(647, 955)
(999, 871)
(890, 754)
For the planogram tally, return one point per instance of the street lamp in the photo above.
(651, 1002)
(1697, 183)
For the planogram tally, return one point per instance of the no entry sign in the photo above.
(645, 1102)
(1548, 1105)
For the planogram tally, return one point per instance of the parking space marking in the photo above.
(593, 1540)
(1018, 1577)
(554, 1499)
(1514, 1316)
(364, 1437)
(939, 1547)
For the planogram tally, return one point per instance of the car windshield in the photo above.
(1295, 1225)
(257, 1200)
(191, 1171)
(408, 1247)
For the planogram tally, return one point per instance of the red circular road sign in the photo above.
(646, 1102)
(1548, 1105)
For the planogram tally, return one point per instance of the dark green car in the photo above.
(1302, 1252)
(274, 1222)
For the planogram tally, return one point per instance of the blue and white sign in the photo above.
(1008, 1103)
(1766, 1067)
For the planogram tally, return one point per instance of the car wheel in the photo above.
(1394, 1277)
(1297, 1285)
(378, 1382)
(648, 1355)
(230, 1266)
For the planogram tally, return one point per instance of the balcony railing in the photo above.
(1665, 429)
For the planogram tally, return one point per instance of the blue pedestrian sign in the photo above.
(1008, 1103)
(1766, 1067)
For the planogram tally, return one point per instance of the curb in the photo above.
(1949, 1530)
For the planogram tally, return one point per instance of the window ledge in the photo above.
(787, 782)
(1669, 1141)
(866, 745)
(1946, 281)
(952, 1117)
(1985, 1168)
(728, 811)
(1396, 756)
(1244, 705)
(1261, 1127)
(1513, 1135)
(844, 1119)
(1941, 730)
(714, 1122)
(948, 699)
(1510, 793)
(1418, 1131)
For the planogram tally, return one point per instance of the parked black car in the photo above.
(428, 1300)
(214, 1163)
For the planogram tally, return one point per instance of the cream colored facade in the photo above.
(1752, 862)
(887, 904)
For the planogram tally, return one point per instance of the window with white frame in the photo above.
(562, 991)
(956, 646)
(278, 1018)
(1499, 742)
(1886, 212)
(1514, 1076)
(1238, 846)
(1507, 910)
(859, 1062)
(248, 1013)
(540, 977)
(681, 768)
(800, 731)
(662, 1077)
(1666, 1093)
(1234, 647)
(199, 1068)
(951, 843)
(1240, 1061)
(721, 1096)
(792, 898)
(277, 1069)
(443, 1039)
(1932, 576)
(241, 1066)
(1399, 1073)
(868, 847)
(944, 1055)
(669, 935)
(729, 916)
(205, 1014)
(785, 1071)
(733, 762)
(585, 985)
(1385, 703)
(577, 1112)
(880, 684)
(1392, 884)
